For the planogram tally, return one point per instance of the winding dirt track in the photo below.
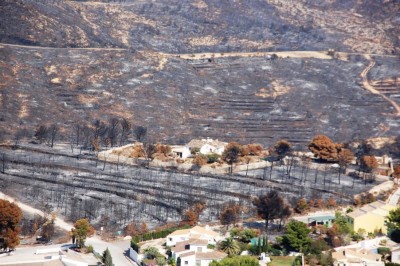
(370, 88)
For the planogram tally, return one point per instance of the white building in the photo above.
(181, 151)
(194, 252)
(353, 257)
(196, 232)
(207, 146)
(396, 255)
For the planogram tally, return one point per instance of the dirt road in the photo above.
(370, 88)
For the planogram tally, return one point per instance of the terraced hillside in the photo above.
(189, 69)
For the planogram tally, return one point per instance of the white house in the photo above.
(207, 146)
(188, 258)
(196, 245)
(194, 252)
(204, 258)
(196, 232)
(353, 257)
(396, 255)
(181, 151)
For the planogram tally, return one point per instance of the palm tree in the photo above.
(229, 246)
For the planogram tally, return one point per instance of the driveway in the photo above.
(117, 248)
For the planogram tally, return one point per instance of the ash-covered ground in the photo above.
(113, 195)
(250, 99)
(245, 98)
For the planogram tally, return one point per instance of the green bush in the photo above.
(391, 264)
(210, 246)
(90, 249)
(237, 260)
(383, 250)
(194, 151)
(275, 252)
(135, 246)
(157, 234)
(243, 246)
(212, 158)
(356, 237)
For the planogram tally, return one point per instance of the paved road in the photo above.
(394, 198)
(117, 248)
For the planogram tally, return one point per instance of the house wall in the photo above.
(207, 149)
(188, 261)
(396, 256)
(204, 262)
(184, 150)
(211, 240)
(176, 239)
(370, 222)
(195, 247)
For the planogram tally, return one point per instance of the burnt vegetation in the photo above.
(95, 75)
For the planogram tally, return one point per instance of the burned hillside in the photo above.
(189, 69)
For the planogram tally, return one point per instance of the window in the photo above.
(170, 239)
(186, 262)
(199, 249)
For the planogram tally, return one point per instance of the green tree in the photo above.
(212, 158)
(172, 262)
(385, 252)
(343, 226)
(161, 261)
(10, 217)
(296, 236)
(135, 246)
(317, 246)
(237, 260)
(231, 154)
(152, 253)
(393, 224)
(229, 246)
(82, 229)
(107, 259)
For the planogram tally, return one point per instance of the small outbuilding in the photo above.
(326, 220)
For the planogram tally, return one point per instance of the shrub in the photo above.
(212, 158)
(135, 246)
(90, 249)
(301, 205)
(163, 149)
(195, 150)
(383, 250)
(200, 160)
(255, 149)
